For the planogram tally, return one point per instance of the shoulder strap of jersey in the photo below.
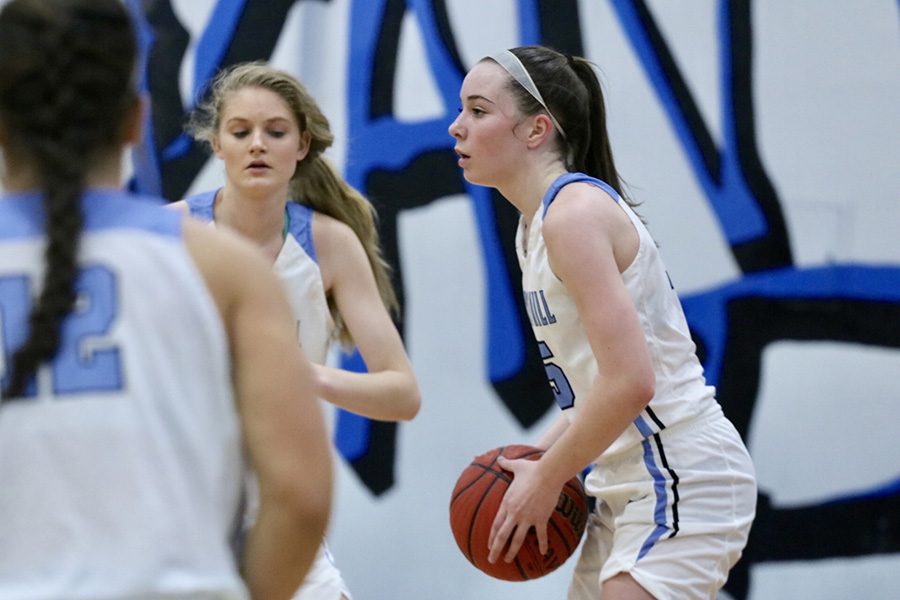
(299, 222)
(201, 205)
(567, 178)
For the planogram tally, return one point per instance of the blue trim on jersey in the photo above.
(201, 205)
(567, 178)
(659, 488)
(299, 218)
(22, 214)
(300, 227)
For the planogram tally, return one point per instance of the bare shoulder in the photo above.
(227, 262)
(584, 224)
(220, 247)
(583, 207)
(179, 206)
(331, 233)
(341, 256)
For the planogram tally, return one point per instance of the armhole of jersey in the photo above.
(300, 227)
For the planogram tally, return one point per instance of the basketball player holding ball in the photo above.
(674, 483)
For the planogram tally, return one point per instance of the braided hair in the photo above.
(67, 71)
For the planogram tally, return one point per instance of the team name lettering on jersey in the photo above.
(538, 309)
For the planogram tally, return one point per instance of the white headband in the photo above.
(511, 63)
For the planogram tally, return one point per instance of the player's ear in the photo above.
(215, 144)
(303, 147)
(540, 129)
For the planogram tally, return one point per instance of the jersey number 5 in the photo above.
(80, 365)
(562, 391)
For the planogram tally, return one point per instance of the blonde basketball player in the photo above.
(320, 236)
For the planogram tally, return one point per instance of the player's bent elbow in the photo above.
(302, 491)
(644, 388)
(412, 405)
(314, 513)
(308, 507)
(634, 389)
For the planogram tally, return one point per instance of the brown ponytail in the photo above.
(572, 92)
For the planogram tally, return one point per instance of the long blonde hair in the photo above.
(316, 183)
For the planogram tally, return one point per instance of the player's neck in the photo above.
(261, 220)
(20, 176)
(527, 190)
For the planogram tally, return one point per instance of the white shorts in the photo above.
(324, 581)
(674, 513)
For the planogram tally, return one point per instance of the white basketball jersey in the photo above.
(681, 390)
(298, 269)
(121, 468)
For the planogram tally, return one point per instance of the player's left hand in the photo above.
(528, 503)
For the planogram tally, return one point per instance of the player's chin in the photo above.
(473, 177)
(266, 182)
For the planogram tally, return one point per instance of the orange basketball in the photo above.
(474, 504)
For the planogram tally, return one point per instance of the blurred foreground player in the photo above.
(143, 353)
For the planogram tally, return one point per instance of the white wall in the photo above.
(826, 96)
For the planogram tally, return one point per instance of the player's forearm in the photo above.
(552, 434)
(385, 395)
(281, 548)
(603, 415)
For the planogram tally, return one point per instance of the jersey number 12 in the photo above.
(79, 366)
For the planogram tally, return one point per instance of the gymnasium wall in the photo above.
(761, 138)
